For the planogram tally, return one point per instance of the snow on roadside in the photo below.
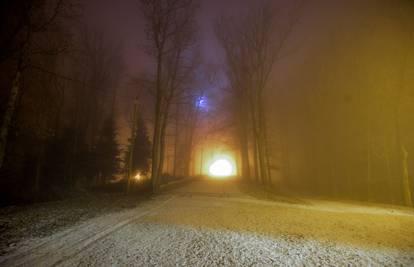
(24, 225)
(207, 224)
(152, 244)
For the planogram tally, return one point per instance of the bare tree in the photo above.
(402, 152)
(252, 46)
(21, 39)
(169, 28)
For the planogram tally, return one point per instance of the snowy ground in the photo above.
(20, 226)
(214, 223)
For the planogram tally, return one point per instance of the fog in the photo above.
(338, 103)
(340, 112)
(207, 133)
(322, 106)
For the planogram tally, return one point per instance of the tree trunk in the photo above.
(262, 139)
(390, 183)
(402, 153)
(369, 166)
(244, 145)
(189, 142)
(176, 143)
(157, 126)
(39, 167)
(131, 152)
(286, 159)
(268, 165)
(244, 153)
(9, 112)
(406, 178)
(162, 144)
(402, 156)
(262, 162)
(255, 160)
(258, 135)
(256, 144)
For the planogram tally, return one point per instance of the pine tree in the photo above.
(107, 150)
(142, 149)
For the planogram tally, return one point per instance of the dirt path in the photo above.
(214, 223)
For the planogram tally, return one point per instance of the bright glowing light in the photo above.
(221, 167)
(138, 177)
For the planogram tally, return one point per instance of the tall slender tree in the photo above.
(252, 45)
(169, 28)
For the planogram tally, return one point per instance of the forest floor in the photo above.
(214, 223)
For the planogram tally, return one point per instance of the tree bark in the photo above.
(406, 177)
(157, 127)
(162, 144)
(39, 167)
(243, 120)
(9, 112)
(402, 153)
(176, 143)
(131, 152)
(244, 151)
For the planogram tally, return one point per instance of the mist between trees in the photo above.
(310, 101)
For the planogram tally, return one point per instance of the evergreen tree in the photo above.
(107, 150)
(142, 149)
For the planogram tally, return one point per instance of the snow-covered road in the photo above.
(214, 223)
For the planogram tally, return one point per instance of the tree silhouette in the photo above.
(141, 150)
(107, 151)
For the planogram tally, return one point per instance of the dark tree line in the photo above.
(341, 126)
(252, 44)
(58, 102)
(59, 93)
(138, 153)
(351, 136)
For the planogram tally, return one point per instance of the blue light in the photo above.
(201, 103)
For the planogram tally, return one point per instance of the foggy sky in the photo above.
(322, 25)
(120, 21)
